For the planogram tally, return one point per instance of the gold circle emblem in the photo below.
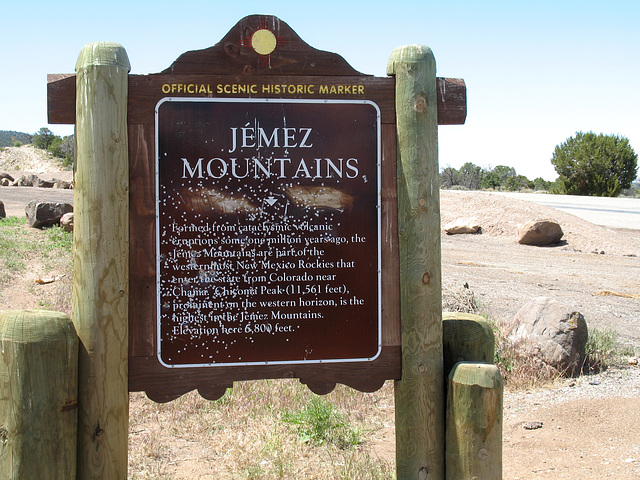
(264, 41)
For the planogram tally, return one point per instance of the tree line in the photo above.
(587, 164)
(502, 177)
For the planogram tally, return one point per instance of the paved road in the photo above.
(610, 212)
(15, 199)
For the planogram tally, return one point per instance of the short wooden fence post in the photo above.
(419, 394)
(38, 395)
(466, 337)
(474, 422)
(101, 260)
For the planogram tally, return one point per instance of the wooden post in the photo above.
(474, 422)
(38, 395)
(101, 260)
(466, 338)
(419, 394)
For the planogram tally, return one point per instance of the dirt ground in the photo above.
(589, 429)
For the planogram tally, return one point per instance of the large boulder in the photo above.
(44, 183)
(62, 184)
(559, 332)
(462, 225)
(45, 214)
(540, 232)
(28, 180)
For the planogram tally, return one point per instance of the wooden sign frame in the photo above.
(242, 65)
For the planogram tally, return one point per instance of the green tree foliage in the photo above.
(542, 184)
(61, 147)
(473, 177)
(517, 183)
(590, 164)
(449, 177)
(470, 176)
(497, 177)
(43, 138)
(633, 191)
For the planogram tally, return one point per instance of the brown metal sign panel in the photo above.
(268, 231)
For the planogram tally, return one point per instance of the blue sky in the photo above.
(536, 72)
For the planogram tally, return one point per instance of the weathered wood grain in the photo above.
(235, 55)
(101, 265)
(162, 384)
(142, 231)
(38, 395)
(389, 231)
(452, 101)
(146, 90)
(466, 338)
(61, 98)
(474, 422)
(420, 393)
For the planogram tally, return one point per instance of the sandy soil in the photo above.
(590, 428)
(591, 270)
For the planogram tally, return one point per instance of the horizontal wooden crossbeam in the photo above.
(61, 92)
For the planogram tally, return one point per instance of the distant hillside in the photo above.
(8, 138)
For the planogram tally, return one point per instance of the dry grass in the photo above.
(244, 435)
(28, 255)
(459, 299)
(518, 360)
(249, 434)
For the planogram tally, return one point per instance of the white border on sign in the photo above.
(379, 217)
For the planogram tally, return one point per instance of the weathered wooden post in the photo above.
(420, 393)
(466, 338)
(101, 259)
(38, 395)
(474, 422)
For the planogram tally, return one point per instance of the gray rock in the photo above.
(63, 184)
(28, 180)
(66, 222)
(559, 332)
(541, 232)
(44, 183)
(45, 214)
(4, 175)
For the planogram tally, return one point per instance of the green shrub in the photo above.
(601, 350)
(319, 423)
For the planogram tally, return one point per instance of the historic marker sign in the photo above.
(268, 231)
(263, 241)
